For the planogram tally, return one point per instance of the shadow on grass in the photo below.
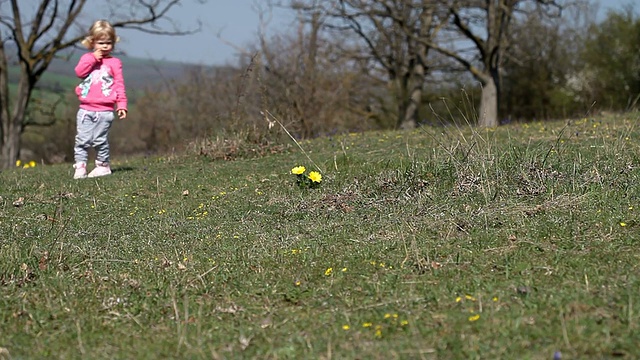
(122, 169)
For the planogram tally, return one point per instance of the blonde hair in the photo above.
(99, 30)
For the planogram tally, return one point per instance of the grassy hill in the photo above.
(441, 243)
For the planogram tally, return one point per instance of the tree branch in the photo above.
(479, 43)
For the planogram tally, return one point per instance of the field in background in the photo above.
(441, 243)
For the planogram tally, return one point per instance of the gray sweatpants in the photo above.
(92, 129)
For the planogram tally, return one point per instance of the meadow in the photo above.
(438, 243)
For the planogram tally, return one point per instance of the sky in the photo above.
(225, 22)
(227, 26)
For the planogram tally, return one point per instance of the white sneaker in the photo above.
(81, 170)
(102, 169)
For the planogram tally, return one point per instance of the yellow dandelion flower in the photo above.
(395, 316)
(298, 170)
(32, 163)
(458, 299)
(404, 322)
(344, 269)
(367, 324)
(623, 224)
(328, 272)
(386, 316)
(469, 297)
(298, 282)
(495, 299)
(474, 317)
(25, 166)
(18, 163)
(345, 327)
(378, 333)
(315, 176)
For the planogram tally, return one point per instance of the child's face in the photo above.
(104, 45)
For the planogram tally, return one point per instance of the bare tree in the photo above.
(485, 26)
(390, 43)
(310, 83)
(43, 32)
(292, 63)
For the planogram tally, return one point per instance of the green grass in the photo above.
(439, 243)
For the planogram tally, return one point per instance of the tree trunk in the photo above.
(12, 126)
(488, 116)
(10, 143)
(412, 108)
(418, 71)
(410, 118)
(407, 106)
(4, 107)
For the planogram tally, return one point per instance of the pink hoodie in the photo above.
(103, 84)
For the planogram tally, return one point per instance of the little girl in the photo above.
(101, 90)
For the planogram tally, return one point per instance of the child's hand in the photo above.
(122, 114)
(98, 54)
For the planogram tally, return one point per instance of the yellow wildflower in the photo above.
(315, 176)
(298, 170)
(32, 163)
(378, 331)
(18, 163)
(328, 271)
(345, 327)
(474, 317)
(367, 324)
(623, 224)
(404, 322)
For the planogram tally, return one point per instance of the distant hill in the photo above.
(139, 73)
